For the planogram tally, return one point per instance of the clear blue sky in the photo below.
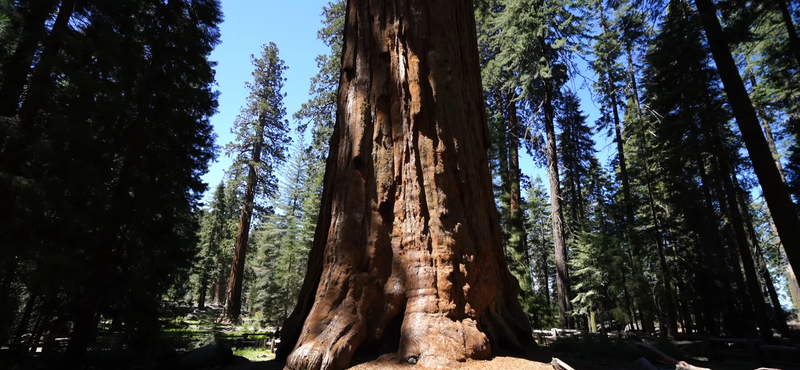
(293, 27)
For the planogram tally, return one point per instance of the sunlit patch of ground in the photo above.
(254, 354)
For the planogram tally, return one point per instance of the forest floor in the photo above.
(587, 356)
(186, 329)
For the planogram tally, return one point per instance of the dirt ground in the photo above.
(389, 362)
(392, 362)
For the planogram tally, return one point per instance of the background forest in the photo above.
(105, 134)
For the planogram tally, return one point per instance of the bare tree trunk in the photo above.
(790, 28)
(633, 249)
(518, 241)
(18, 66)
(545, 278)
(768, 133)
(715, 254)
(557, 215)
(775, 192)
(725, 173)
(666, 274)
(22, 327)
(408, 235)
(795, 294)
(41, 79)
(794, 288)
(233, 300)
(201, 300)
(780, 316)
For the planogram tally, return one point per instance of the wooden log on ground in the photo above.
(560, 365)
(684, 366)
(679, 365)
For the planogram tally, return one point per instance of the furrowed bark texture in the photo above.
(408, 245)
(233, 300)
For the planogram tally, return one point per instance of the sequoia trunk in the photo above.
(233, 301)
(407, 254)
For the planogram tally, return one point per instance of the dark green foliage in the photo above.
(320, 110)
(260, 126)
(285, 242)
(101, 171)
(577, 156)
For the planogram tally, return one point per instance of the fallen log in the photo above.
(679, 365)
(560, 365)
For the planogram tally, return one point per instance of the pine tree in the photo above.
(527, 39)
(540, 247)
(212, 236)
(261, 137)
(775, 191)
(284, 246)
(102, 157)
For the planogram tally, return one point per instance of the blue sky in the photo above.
(293, 27)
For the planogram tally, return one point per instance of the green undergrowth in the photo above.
(254, 354)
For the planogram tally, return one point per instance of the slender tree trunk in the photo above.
(718, 149)
(780, 317)
(517, 240)
(794, 42)
(219, 291)
(545, 279)
(556, 213)
(753, 285)
(688, 325)
(515, 199)
(18, 67)
(666, 274)
(715, 254)
(775, 192)
(732, 234)
(37, 331)
(768, 133)
(41, 80)
(795, 294)
(201, 300)
(24, 321)
(233, 301)
(501, 141)
(633, 249)
(10, 274)
(794, 287)
(408, 233)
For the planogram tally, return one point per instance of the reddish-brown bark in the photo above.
(407, 252)
(233, 300)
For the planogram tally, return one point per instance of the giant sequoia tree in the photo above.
(407, 251)
(260, 141)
